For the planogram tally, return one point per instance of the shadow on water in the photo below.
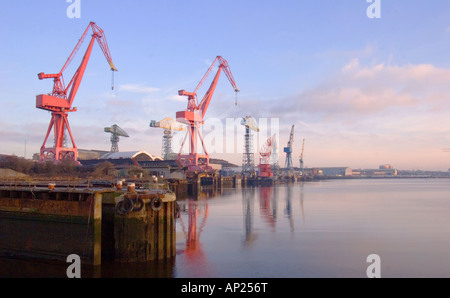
(24, 268)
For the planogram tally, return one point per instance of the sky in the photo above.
(361, 91)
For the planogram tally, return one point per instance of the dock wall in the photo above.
(43, 223)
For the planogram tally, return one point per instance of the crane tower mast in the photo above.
(116, 132)
(248, 162)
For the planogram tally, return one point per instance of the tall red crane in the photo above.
(193, 116)
(59, 102)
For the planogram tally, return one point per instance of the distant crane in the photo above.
(274, 158)
(60, 101)
(264, 159)
(116, 132)
(169, 125)
(193, 116)
(301, 158)
(248, 162)
(289, 170)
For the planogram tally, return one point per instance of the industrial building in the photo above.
(335, 171)
(153, 165)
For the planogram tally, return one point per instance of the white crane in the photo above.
(116, 132)
(169, 125)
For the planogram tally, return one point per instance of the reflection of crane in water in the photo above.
(266, 193)
(248, 195)
(301, 202)
(268, 205)
(193, 250)
(288, 209)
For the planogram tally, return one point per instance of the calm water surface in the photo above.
(318, 229)
(311, 229)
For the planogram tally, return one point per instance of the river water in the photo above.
(311, 229)
(318, 229)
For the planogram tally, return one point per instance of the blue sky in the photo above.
(362, 92)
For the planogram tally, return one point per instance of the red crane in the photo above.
(265, 169)
(193, 116)
(59, 102)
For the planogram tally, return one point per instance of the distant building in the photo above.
(384, 170)
(381, 172)
(153, 165)
(124, 161)
(135, 156)
(90, 154)
(386, 167)
(335, 171)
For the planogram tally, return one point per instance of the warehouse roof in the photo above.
(137, 155)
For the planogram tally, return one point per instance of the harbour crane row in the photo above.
(60, 102)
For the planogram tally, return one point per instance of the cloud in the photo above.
(177, 98)
(361, 91)
(364, 115)
(137, 88)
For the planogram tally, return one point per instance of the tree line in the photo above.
(65, 168)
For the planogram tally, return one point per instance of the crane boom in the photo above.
(303, 149)
(193, 105)
(168, 123)
(249, 121)
(291, 137)
(301, 157)
(59, 89)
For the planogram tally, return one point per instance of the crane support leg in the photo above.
(58, 152)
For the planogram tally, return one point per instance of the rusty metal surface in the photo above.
(43, 222)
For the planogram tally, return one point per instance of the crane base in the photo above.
(195, 163)
(57, 154)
